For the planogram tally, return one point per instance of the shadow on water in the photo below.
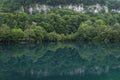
(60, 61)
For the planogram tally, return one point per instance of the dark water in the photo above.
(60, 61)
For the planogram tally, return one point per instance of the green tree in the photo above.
(85, 31)
(53, 36)
(4, 33)
(17, 35)
(29, 35)
(40, 33)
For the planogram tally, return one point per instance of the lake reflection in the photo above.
(60, 61)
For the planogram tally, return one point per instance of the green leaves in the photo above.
(59, 25)
(4, 33)
(97, 31)
(17, 35)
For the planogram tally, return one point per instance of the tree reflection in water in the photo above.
(64, 61)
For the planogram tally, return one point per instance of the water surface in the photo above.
(60, 61)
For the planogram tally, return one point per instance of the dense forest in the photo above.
(59, 24)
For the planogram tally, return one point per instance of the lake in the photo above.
(60, 61)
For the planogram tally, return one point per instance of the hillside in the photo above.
(48, 20)
(13, 5)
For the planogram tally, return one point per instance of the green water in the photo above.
(60, 61)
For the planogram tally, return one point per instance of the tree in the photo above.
(29, 35)
(53, 36)
(4, 33)
(17, 35)
(85, 31)
(40, 33)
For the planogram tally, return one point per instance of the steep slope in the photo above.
(13, 5)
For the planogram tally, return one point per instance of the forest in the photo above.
(57, 25)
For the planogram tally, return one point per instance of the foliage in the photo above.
(15, 5)
(4, 33)
(59, 25)
(16, 35)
